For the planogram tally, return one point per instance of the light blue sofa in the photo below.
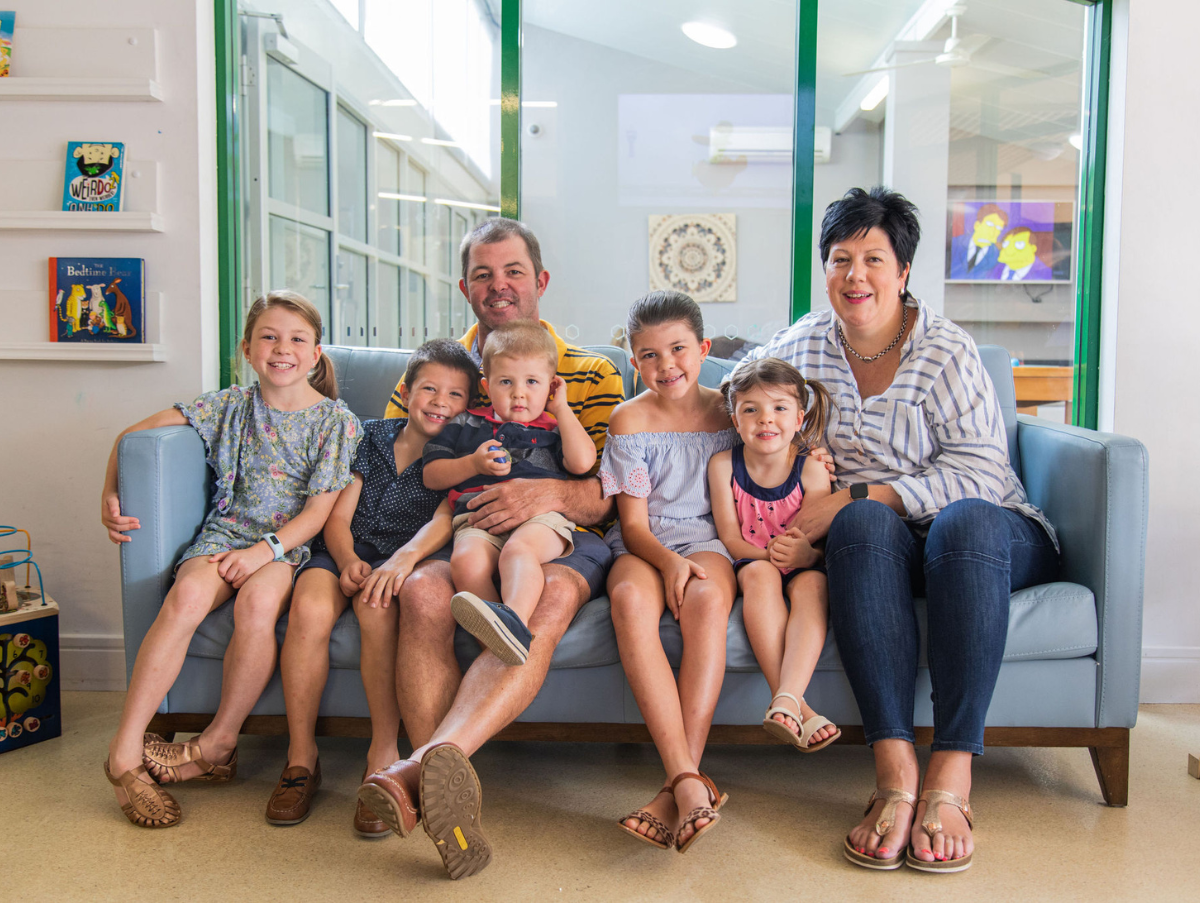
(1071, 666)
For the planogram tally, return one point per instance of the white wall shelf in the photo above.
(80, 88)
(81, 351)
(80, 221)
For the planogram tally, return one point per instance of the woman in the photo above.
(928, 505)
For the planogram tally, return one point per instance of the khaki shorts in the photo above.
(553, 520)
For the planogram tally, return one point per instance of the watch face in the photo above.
(859, 491)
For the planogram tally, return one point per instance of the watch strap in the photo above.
(276, 545)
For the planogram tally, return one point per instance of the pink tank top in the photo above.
(764, 513)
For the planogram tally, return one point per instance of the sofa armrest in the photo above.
(1094, 488)
(164, 482)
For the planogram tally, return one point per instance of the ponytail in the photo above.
(323, 378)
(812, 431)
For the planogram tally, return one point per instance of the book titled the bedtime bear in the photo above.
(97, 299)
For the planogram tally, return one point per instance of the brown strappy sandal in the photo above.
(664, 839)
(716, 800)
(144, 803)
(887, 820)
(932, 824)
(173, 763)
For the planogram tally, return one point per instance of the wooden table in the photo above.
(1043, 385)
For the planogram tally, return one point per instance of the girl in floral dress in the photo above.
(281, 451)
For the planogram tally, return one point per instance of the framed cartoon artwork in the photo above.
(1009, 241)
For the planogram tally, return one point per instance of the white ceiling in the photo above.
(1043, 37)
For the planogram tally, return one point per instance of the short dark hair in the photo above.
(859, 211)
(661, 307)
(448, 353)
(495, 229)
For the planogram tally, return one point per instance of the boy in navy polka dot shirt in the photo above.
(381, 527)
(511, 439)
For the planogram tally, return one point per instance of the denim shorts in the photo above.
(590, 560)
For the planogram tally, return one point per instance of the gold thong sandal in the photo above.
(801, 741)
(932, 824)
(663, 839)
(887, 820)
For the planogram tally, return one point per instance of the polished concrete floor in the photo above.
(1042, 831)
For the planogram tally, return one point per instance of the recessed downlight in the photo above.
(709, 35)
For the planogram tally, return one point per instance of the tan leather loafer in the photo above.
(292, 798)
(391, 794)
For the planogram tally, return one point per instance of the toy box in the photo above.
(29, 683)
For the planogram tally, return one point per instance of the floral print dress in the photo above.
(267, 463)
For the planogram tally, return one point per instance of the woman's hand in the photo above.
(385, 582)
(823, 455)
(114, 521)
(236, 567)
(485, 461)
(675, 577)
(351, 579)
(792, 550)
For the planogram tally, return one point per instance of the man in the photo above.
(974, 256)
(447, 714)
(1018, 258)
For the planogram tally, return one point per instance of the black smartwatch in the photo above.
(859, 491)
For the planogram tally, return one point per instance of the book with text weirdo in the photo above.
(94, 177)
(97, 299)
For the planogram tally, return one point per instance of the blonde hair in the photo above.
(322, 378)
(771, 371)
(522, 339)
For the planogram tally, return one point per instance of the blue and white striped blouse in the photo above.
(936, 435)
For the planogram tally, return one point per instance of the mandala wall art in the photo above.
(695, 253)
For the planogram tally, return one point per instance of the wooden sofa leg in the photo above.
(1112, 769)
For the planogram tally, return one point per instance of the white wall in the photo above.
(1158, 327)
(60, 418)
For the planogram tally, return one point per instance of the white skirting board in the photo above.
(92, 661)
(1170, 674)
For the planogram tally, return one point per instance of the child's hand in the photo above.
(238, 567)
(675, 577)
(792, 550)
(557, 404)
(351, 579)
(385, 582)
(114, 521)
(486, 459)
(822, 455)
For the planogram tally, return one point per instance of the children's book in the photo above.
(95, 171)
(7, 19)
(97, 299)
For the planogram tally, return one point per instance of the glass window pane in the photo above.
(386, 333)
(413, 314)
(351, 319)
(352, 176)
(982, 135)
(439, 323)
(300, 262)
(387, 180)
(297, 139)
(414, 213)
(680, 154)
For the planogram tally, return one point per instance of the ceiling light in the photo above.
(1076, 141)
(450, 203)
(875, 95)
(393, 196)
(709, 35)
(393, 136)
(392, 103)
(440, 142)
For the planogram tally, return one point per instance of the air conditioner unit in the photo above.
(761, 144)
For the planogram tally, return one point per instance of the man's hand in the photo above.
(557, 403)
(485, 459)
(351, 579)
(239, 566)
(114, 521)
(505, 506)
(385, 582)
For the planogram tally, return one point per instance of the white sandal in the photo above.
(781, 731)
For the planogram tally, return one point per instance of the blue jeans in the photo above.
(974, 556)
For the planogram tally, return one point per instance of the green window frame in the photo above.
(1089, 262)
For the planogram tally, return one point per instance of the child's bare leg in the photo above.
(378, 628)
(521, 560)
(250, 657)
(807, 625)
(765, 615)
(304, 660)
(198, 590)
(472, 565)
(703, 621)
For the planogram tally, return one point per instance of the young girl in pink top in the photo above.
(757, 488)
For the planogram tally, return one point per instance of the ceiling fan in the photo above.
(956, 53)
